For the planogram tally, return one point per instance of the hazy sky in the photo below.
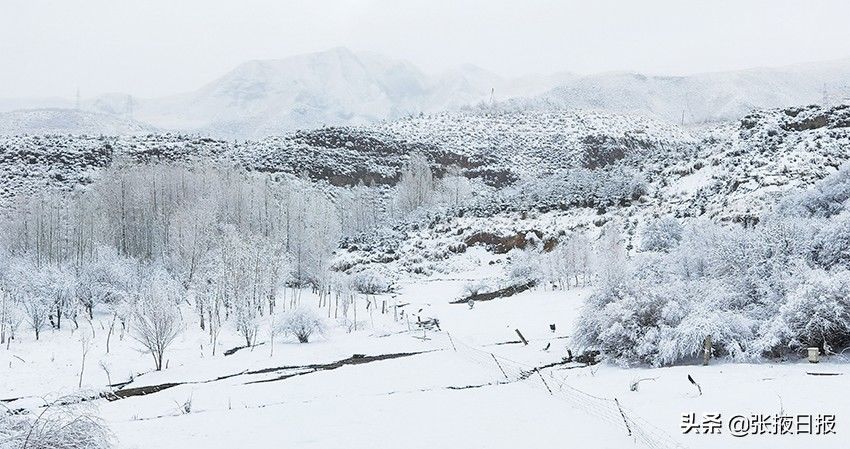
(160, 47)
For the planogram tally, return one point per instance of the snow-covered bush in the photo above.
(624, 323)
(653, 319)
(370, 282)
(67, 423)
(523, 266)
(721, 280)
(832, 242)
(661, 235)
(476, 287)
(706, 311)
(302, 322)
(567, 189)
(828, 198)
(817, 312)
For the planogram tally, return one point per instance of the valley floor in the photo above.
(469, 384)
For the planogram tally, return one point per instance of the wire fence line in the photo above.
(608, 410)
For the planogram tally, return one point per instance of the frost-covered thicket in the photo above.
(767, 290)
(569, 264)
(66, 423)
(146, 239)
(567, 189)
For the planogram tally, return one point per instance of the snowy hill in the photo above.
(730, 172)
(271, 97)
(334, 87)
(339, 87)
(709, 97)
(68, 121)
(499, 148)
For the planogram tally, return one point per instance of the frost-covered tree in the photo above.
(610, 263)
(32, 292)
(661, 234)
(523, 266)
(454, 189)
(416, 186)
(302, 322)
(107, 279)
(156, 318)
(817, 312)
(832, 242)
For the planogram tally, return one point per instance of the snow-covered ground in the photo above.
(470, 384)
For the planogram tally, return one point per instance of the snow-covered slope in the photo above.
(339, 87)
(334, 87)
(68, 121)
(271, 97)
(709, 97)
(730, 172)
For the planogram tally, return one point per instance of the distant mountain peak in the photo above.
(339, 86)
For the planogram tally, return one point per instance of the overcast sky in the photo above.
(161, 47)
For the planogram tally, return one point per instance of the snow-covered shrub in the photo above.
(706, 311)
(523, 266)
(624, 322)
(832, 242)
(476, 287)
(662, 321)
(661, 235)
(302, 322)
(827, 198)
(817, 312)
(567, 189)
(67, 423)
(370, 282)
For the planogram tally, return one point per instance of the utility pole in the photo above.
(78, 99)
(825, 100)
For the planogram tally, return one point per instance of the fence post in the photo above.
(521, 337)
(451, 341)
(500, 365)
(544, 381)
(623, 414)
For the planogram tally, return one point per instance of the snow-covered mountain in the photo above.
(335, 87)
(709, 97)
(271, 97)
(69, 121)
(340, 87)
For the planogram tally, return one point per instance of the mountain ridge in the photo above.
(340, 87)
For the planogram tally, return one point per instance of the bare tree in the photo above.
(416, 186)
(156, 318)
